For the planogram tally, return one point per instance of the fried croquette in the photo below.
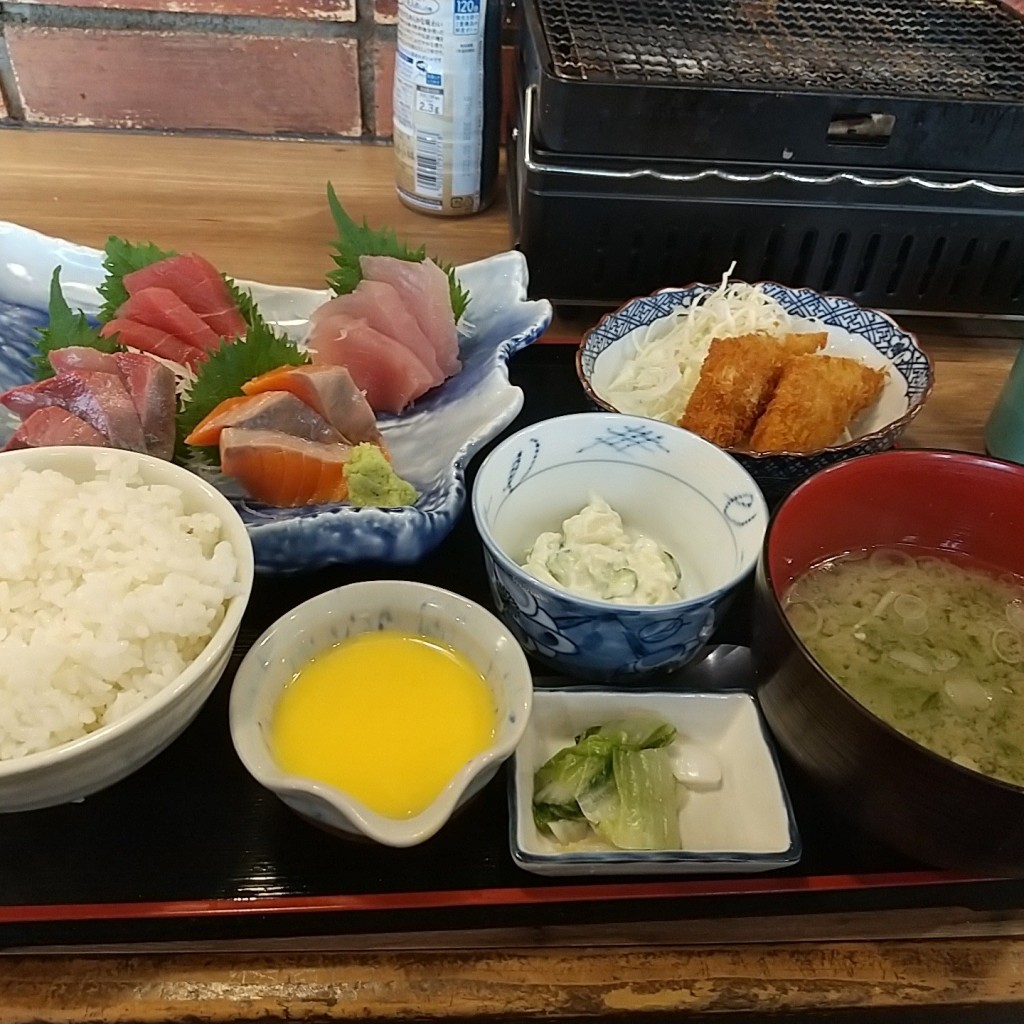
(803, 343)
(737, 379)
(816, 399)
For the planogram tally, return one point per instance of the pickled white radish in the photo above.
(695, 766)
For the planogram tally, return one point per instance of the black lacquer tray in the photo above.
(191, 849)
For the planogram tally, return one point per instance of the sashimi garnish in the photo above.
(355, 240)
(222, 375)
(65, 329)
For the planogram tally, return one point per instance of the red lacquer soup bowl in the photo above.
(924, 805)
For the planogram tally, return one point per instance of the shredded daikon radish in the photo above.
(660, 373)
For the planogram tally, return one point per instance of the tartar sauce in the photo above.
(595, 556)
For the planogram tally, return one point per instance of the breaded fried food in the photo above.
(816, 399)
(803, 343)
(736, 381)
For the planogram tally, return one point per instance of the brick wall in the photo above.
(263, 67)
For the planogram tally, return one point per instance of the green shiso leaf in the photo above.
(245, 302)
(64, 330)
(222, 375)
(355, 240)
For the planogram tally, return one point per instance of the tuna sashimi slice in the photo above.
(98, 398)
(271, 410)
(387, 373)
(384, 309)
(53, 425)
(283, 470)
(151, 385)
(81, 357)
(198, 284)
(161, 308)
(424, 287)
(153, 340)
(331, 391)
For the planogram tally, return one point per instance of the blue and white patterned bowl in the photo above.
(431, 443)
(853, 330)
(665, 482)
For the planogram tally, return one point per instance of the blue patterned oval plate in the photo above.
(853, 330)
(431, 443)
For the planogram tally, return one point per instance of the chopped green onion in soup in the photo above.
(931, 645)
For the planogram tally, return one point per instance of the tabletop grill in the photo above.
(873, 150)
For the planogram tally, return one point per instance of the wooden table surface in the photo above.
(257, 209)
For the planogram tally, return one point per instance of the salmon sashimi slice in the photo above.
(98, 398)
(387, 373)
(384, 309)
(154, 341)
(424, 287)
(52, 425)
(198, 284)
(282, 470)
(330, 391)
(270, 410)
(152, 387)
(161, 308)
(81, 357)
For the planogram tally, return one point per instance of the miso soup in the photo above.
(933, 646)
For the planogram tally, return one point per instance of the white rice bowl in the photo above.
(122, 584)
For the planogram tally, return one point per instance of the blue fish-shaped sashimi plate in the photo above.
(430, 443)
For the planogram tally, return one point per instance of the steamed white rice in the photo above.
(108, 591)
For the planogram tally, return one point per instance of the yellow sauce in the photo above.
(386, 717)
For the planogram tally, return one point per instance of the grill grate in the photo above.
(939, 49)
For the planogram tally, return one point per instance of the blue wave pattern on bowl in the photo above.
(553, 628)
(431, 443)
(779, 472)
(601, 640)
(18, 331)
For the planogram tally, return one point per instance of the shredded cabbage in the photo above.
(660, 373)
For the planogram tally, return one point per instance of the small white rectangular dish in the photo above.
(745, 824)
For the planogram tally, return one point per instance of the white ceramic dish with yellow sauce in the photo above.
(329, 619)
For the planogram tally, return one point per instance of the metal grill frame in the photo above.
(662, 116)
(938, 49)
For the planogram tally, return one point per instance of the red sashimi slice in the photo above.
(53, 425)
(152, 340)
(331, 391)
(81, 357)
(424, 287)
(98, 398)
(386, 372)
(198, 284)
(151, 385)
(283, 470)
(161, 308)
(385, 310)
(279, 411)
(149, 382)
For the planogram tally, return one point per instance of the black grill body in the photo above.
(876, 152)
